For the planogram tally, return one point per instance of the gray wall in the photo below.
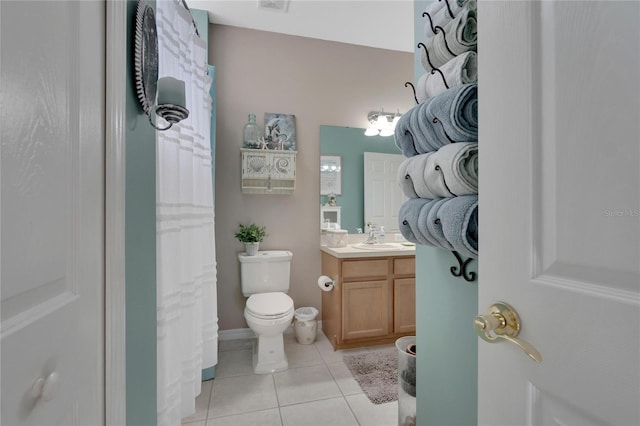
(320, 82)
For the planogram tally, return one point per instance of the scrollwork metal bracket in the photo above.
(461, 269)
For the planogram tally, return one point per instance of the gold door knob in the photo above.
(501, 323)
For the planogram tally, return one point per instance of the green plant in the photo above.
(251, 233)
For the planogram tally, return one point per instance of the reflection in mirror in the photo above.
(330, 176)
(350, 144)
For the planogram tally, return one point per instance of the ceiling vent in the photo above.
(275, 5)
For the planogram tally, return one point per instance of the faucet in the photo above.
(372, 238)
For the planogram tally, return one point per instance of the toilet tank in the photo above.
(265, 272)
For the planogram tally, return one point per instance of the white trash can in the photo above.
(305, 325)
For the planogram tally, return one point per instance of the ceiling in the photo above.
(385, 24)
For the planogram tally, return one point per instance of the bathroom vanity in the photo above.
(373, 299)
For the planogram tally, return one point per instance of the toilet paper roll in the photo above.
(325, 283)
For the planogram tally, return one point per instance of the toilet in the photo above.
(268, 311)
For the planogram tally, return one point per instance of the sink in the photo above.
(379, 246)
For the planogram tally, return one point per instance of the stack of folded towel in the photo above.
(459, 36)
(463, 69)
(452, 116)
(449, 223)
(440, 16)
(452, 48)
(448, 172)
(439, 138)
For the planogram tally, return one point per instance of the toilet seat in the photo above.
(269, 306)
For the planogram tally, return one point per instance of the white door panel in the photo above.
(52, 218)
(560, 209)
(382, 193)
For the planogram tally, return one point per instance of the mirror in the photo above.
(350, 144)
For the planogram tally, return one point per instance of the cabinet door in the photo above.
(255, 164)
(404, 305)
(282, 165)
(365, 309)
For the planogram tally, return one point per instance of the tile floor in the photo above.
(316, 390)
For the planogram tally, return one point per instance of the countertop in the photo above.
(351, 251)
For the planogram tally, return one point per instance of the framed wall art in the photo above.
(280, 131)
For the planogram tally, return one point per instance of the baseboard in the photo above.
(246, 333)
(235, 333)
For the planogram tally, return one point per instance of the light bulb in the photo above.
(371, 131)
(382, 122)
(386, 132)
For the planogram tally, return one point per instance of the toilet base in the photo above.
(268, 355)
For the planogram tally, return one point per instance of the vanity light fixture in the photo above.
(382, 123)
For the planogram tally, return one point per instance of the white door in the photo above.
(559, 107)
(382, 193)
(52, 212)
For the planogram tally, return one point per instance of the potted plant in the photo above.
(251, 235)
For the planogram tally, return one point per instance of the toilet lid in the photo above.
(269, 304)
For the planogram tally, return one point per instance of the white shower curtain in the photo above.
(186, 269)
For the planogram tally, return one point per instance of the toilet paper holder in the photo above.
(326, 283)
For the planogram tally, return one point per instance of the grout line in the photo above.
(352, 412)
(275, 388)
(206, 419)
(315, 400)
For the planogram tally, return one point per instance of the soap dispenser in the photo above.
(381, 235)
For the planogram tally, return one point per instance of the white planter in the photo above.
(251, 248)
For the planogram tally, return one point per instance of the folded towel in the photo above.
(461, 35)
(406, 176)
(459, 219)
(418, 178)
(452, 116)
(423, 221)
(458, 164)
(462, 69)
(408, 221)
(440, 15)
(435, 225)
(448, 172)
(405, 134)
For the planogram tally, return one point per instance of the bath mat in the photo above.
(377, 374)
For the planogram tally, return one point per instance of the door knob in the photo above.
(501, 323)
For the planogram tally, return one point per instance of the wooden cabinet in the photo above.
(365, 309)
(404, 305)
(373, 301)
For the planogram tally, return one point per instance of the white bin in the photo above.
(305, 325)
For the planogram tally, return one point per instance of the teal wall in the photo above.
(447, 356)
(202, 22)
(351, 143)
(140, 247)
